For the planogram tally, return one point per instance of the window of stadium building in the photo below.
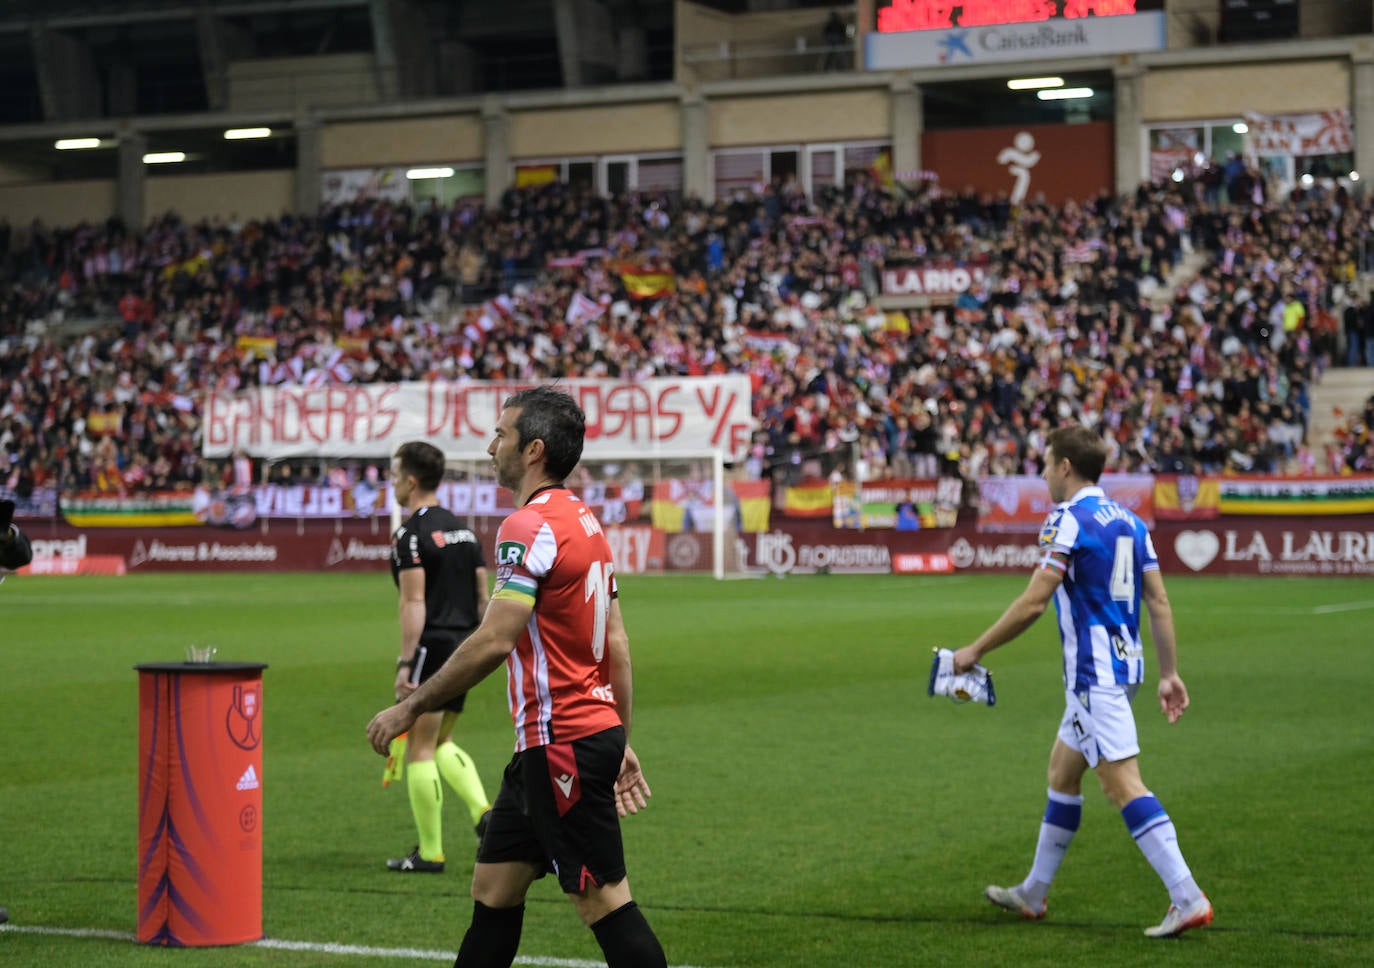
(824, 164)
(864, 158)
(1209, 150)
(462, 184)
(654, 174)
(814, 167)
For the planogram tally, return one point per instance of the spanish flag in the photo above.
(754, 505)
(648, 285)
(809, 499)
(881, 170)
(354, 343)
(99, 423)
(533, 176)
(260, 346)
(667, 515)
(1184, 497)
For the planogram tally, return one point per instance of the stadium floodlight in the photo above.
(75, 144)
(1240, 127)
(164, 157)
(416, 174)
(243, 134)
(1065, 94)
(1034, 83)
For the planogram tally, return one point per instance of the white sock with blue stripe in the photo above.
(1155, 836)
(1063, 812)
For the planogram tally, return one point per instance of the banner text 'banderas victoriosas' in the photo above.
(659, 417)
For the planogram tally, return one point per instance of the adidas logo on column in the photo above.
(249, 780)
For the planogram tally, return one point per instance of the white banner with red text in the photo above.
(659, 417)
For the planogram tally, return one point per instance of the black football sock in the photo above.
(627, 940)
(492, 938)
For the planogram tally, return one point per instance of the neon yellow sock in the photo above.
(457, 769)
(427, 804)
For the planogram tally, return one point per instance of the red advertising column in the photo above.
(200, 803)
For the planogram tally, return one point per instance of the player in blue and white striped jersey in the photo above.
(1098, 603)
(1098, 565)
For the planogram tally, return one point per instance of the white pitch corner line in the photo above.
(328, 948)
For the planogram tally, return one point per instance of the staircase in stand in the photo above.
(1339, 395)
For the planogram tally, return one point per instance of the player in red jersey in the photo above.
(555, 621)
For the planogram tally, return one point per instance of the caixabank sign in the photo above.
(937, 33)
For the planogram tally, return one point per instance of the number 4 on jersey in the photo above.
(1123, 571)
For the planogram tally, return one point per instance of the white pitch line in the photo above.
(1345, 607)
(326, 947)
(67, 932)
(418, 954)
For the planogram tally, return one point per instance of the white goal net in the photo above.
(675, 514)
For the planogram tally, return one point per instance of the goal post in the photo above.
(688, 500)
(718, 529)
(670, 514)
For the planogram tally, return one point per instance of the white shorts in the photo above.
(1103, 727)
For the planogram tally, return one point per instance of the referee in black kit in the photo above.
(441, 575)
(15, 552)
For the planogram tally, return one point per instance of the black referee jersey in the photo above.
(440, 542)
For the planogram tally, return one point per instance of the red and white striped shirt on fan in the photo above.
(552, 555)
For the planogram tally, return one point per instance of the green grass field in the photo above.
(811, 806)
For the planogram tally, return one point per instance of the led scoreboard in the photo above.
(944, 14)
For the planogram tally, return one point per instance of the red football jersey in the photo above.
(551, 554)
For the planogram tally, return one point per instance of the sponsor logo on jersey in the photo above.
(249, 780)
(1050, 530)
(460, 536)
(510, 553)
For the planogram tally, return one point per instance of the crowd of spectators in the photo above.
(1352, 445)
(1187, 326)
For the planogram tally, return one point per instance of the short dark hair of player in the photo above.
(1082, 447)
(550, 415)
(422, 461)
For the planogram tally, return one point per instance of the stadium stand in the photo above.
(1193, 318)
(1070, 322)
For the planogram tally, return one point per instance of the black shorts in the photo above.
(432, 653)
(556, 810)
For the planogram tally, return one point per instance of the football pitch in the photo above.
(812, 807)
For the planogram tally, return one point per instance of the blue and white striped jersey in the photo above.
(1103, 551)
